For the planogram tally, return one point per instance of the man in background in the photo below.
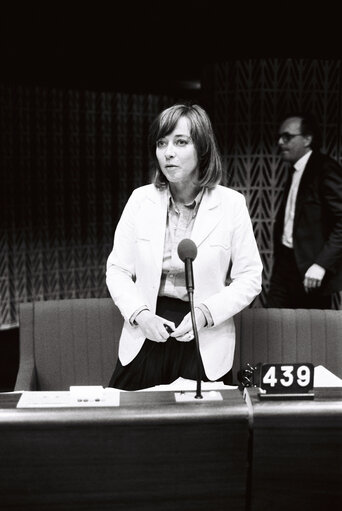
(307, 267)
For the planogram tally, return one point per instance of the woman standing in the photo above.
(146, 278)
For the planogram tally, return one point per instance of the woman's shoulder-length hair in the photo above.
(202, 135)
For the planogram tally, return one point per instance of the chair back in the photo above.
(289, 336)
(75, 341)
(68, 342)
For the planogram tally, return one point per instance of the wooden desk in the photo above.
(297, 452)
(148, 454)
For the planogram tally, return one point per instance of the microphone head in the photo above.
(187, 250)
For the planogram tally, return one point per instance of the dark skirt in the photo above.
(161, 363)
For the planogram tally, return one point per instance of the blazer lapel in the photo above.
(154, 218)
(208, 215)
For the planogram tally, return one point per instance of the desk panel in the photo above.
(148, 454)
(297, 452)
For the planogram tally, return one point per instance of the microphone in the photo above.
(187, 252)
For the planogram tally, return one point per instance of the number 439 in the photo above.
(301, 376)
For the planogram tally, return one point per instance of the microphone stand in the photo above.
(187, 252)
(198, 357)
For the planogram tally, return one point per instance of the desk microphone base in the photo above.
(210, 395)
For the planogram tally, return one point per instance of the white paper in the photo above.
(325, 378)
(182, 384)
(78, 396)
(207, 395)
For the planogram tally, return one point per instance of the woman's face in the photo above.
(177, 156)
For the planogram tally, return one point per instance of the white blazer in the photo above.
(224, 237)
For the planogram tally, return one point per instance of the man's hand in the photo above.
(153, 326)
(313, 277)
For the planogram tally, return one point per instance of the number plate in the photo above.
(286, 378)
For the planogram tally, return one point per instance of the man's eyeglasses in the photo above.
(287, 137)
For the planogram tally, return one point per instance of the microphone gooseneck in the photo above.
(187, 252)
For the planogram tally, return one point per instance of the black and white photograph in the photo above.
(170, 256)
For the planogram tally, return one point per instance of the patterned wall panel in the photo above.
(249, 99)
(69, 160)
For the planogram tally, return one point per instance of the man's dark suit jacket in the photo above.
(317, 228)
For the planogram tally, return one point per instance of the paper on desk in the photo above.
(325, 378)
(78, 396)
(182, 384)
